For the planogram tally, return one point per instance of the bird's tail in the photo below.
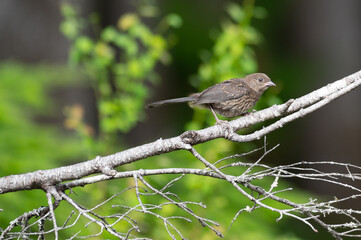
(169, 101)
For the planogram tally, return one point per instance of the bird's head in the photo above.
(258, 82)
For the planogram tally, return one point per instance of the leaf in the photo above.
(236, 12)
(84, 44)
(174, 20)
(127, 21)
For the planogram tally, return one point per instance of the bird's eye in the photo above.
(260, 79)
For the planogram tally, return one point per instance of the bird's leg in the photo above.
(218, 121)
(227, 128)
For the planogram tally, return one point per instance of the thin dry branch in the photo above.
(308, 213)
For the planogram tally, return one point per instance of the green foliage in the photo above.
(232, 54)
(28, 142)
(119, 60)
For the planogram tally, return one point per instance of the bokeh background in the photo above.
(75, 77)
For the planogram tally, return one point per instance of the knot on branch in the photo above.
(349, 80)
(39, 181)
(109, 171)
(190, 137)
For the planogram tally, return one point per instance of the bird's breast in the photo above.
(235, 107)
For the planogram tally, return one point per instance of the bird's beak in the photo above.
(270, 84)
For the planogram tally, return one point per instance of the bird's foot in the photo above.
(222, 122)
(226, 127)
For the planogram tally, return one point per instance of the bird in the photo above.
(230, 98)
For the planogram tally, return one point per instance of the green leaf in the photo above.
(69, 29)
(174, 20)
(134, 69)
(127, 21)
(68, 10)
(260, 12)
(109, 34)
(84, 44)
(104, 54)
(127, 43)
(236, 12)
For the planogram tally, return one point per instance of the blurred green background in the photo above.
(75, 77)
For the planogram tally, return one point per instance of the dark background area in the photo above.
(306, 45)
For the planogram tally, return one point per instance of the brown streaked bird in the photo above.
(231, 98)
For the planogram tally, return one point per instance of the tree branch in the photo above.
(299, 107)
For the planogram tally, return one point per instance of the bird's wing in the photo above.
(224, 91)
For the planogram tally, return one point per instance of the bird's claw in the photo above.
(222, 122)
(226, 127)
